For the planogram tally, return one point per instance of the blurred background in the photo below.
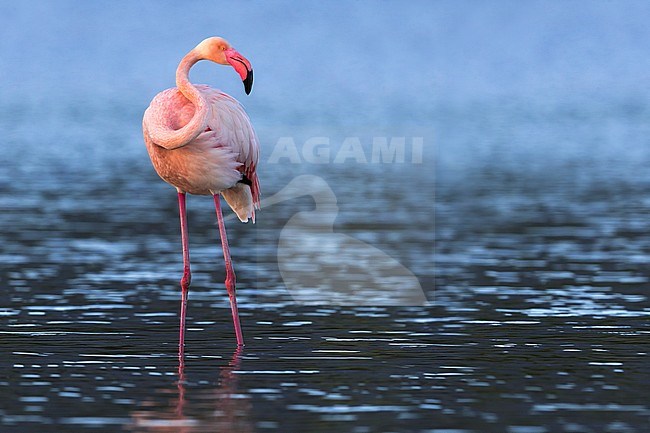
(525, 219)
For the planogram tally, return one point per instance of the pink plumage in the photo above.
(208, 157)
(201, 141)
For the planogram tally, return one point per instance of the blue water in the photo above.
(495, 280)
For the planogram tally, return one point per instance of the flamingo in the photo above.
(201, 142)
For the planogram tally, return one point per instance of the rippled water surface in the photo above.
(498, 281)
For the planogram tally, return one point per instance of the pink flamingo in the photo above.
(201, 141)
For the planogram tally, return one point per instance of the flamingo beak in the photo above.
(248, 82)
(243, 68)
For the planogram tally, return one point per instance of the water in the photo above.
(534, 127)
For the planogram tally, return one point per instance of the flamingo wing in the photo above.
(233, 127)
(228, 125)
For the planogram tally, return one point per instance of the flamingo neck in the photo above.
(175, 138)
(182, 76)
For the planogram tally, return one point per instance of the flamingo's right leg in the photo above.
(187, 276)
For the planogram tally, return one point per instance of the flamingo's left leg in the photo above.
(230, 273)
(187, 276)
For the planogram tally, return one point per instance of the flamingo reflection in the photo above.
(200, 410)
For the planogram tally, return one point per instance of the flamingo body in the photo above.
(218, 159)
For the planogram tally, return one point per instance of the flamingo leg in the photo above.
(187, 276)
(230, 273)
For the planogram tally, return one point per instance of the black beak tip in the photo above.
(248, 82)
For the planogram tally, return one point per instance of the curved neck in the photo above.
(175, 138)
(182, 76)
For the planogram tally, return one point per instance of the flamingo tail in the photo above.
(240, 200)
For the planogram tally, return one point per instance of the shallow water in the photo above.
(498, 284)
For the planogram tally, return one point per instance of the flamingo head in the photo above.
(218, 50)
